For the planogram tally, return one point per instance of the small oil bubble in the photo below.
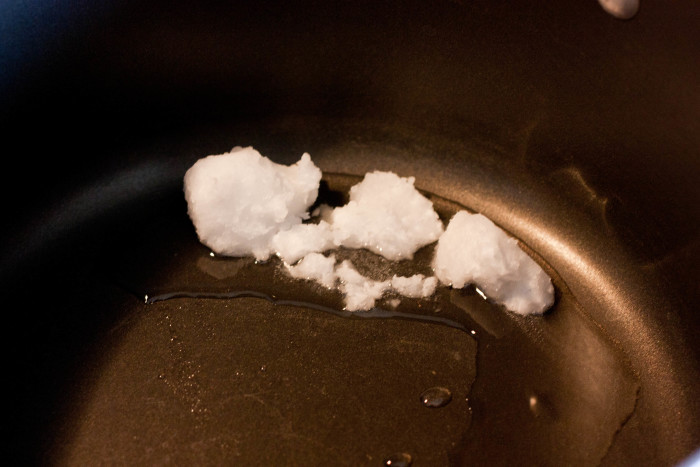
(541, 406)
(436, 397)
(400, 459)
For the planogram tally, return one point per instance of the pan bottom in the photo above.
(234, 360)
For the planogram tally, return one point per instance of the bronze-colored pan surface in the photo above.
(575, 131)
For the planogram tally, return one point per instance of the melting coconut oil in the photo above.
(545, 390)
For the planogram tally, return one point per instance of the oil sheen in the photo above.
(452, 378)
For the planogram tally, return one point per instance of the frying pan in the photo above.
(577, 132)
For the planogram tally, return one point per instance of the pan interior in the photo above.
(230, 359)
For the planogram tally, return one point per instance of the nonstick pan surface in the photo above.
(576, 132)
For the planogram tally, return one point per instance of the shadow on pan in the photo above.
(575, 131)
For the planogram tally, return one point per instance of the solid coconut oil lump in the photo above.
(300, 240)
(315, 267)
(242, 203)
(473, 250)
(239, 200)
(416, 286)
(360, 292)
(386, 215)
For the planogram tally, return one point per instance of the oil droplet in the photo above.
(542, 406)
(436, 397)
(622, 9)
(400, 459)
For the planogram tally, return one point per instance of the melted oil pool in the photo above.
(436, 397)
(337, 388)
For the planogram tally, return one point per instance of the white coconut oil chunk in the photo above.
(416, 286)
(239, 200)
(315, 267)
(386, 215)
(361, 293)
(473, 250)
(300, 240)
